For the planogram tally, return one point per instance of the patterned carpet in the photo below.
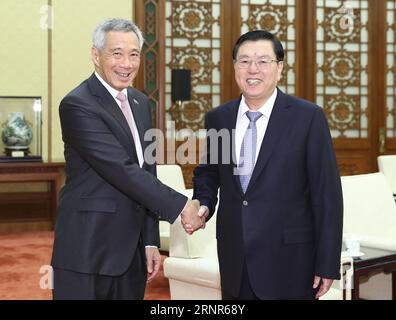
(21, 257)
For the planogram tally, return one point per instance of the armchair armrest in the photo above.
(200, 244)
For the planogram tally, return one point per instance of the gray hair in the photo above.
(99, 34)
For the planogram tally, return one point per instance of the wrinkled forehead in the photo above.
(121, 39)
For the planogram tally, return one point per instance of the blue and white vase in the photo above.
(17, 134)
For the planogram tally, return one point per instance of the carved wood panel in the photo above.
(390, 113)
(193, 42)
(342, 59)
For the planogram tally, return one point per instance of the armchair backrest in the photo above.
(369, 209)
(171, 175)
(387, 165)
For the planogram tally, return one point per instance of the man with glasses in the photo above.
(279, 220)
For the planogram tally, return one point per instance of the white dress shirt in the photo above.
(242, 123)
(114, 93)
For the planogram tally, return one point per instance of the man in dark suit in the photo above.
(279, 220)
(107, 234)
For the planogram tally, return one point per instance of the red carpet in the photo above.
(21, 257)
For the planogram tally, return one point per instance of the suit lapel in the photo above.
(110, 105)
(276, 126)
(231, 120)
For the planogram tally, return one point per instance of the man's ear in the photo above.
(95, 56)
(280, 69)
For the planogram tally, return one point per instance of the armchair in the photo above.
(369, 210)
(172, 176)
(192, 267)
(370, 213)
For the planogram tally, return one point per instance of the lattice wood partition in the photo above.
(391, 69)
(342, 59)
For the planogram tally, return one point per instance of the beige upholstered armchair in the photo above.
(172, 176)
(192, 267)
(370, 213)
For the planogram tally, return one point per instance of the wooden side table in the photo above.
(374, 260)
(52, 173)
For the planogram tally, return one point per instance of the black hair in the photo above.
(260, 35)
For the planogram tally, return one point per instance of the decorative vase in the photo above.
(17, 134)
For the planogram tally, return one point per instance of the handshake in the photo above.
(193, 216)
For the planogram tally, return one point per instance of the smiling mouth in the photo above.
(123, 75)
(253, 82)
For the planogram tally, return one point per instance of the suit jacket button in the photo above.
(245, 203)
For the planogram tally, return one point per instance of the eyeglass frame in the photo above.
(263, 67)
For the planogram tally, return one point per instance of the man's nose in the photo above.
(253, 67)
(126, 62)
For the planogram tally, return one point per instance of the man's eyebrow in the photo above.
(259, 57)
(118, 49)
(247, 56)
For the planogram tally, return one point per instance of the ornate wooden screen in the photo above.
(341, 59)
(193, 42)
(391, 70)
(342, 77)
(149, 15)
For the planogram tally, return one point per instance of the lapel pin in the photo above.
(135, 101)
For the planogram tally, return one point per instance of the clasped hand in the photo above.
(193, 216)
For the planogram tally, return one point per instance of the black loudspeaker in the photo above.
(181, 85)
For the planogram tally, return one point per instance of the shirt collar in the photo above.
(109, 88)
(265, 109)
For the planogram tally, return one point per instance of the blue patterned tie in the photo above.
(248, 150)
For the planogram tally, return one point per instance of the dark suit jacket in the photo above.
(109, 204)
(288, 225)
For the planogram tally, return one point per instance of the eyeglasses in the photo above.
(261, 64)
